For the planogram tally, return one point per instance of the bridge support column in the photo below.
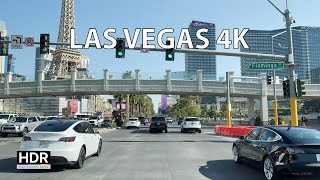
(73, 79)
(40, 78)
(264, 109)
(199, 79)
(8, 79)
(137, 79)
(106, 78)
(251, 104)
(168, 71)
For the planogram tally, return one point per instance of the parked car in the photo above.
(5, 118)
(95, 120)
(133, 123)
(107, 122)
(191, 124)
(22, 125)
(158, 123)
(280, 151)
(70, 142)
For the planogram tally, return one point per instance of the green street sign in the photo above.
(266, 66)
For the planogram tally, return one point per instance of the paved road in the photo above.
(136, 154)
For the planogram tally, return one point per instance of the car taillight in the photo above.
(26, 138)
(67, 139)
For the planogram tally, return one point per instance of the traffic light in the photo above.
(120, 48)
(4, 46)
(44, 43)
(269, 79)
(300, 88)
(169, 53)
(286, 89)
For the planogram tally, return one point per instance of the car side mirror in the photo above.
(241, 137)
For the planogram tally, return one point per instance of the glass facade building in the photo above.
(306, 49)
(206, 63)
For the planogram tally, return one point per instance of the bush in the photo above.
(272, 122)
(257, 121)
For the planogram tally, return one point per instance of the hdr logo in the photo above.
(33, 160)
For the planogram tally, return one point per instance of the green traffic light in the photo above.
(120, 53)
(170, 56)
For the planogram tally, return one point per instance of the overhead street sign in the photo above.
(16, 42)
(266, 66)
(29, 41)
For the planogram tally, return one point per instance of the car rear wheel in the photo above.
(4, 134)
(269, 170)
(182, 131)
(199, 131)
(81, 158)
(150, 131)
(166, 131)
(99, 148)
(236, 157)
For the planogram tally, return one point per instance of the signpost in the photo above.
(16, 42)
(266, 66)
(29, 41)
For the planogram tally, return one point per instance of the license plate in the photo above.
(318, 157)
(44, 144)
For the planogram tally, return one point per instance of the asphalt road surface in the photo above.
(136, 154)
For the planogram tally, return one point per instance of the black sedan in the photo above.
(106, 123)
(280, 151)
(158, 124)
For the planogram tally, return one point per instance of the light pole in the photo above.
(290, 63)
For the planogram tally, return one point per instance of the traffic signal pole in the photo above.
(293, 98)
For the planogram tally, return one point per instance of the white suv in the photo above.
(191, 124)
(133, 122)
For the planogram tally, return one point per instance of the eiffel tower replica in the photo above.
(65, 58)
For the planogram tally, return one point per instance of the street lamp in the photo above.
(290, 63)
(275, 105)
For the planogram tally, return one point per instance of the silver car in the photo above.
(21, 125)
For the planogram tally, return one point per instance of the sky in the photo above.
(33, 17)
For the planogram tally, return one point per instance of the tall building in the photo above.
(44, 62)
(315, 76)
(306, 49)
(3, 32)
(206, 63)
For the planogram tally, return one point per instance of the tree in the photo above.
(185, 106)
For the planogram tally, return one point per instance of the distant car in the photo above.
(158, 124)
(22, 125)
(106, 122)
(180, 120)
(280, 151)
(191, 124)
(5, 118)
(70, 142)
(169, 120)
(133, 123)
(95, 120)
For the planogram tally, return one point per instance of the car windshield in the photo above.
(21, 119)
(4, 116)
(132, 119)
(55, 125)
(302, 135)
(192, 119)
(158, 119)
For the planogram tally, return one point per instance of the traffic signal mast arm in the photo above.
(198, 51)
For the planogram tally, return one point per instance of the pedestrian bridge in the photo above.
(106, 86)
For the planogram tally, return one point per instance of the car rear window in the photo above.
(158, 119)
(192, 119)
(132, 119)
(302, 135)
(55, 125)
(21, 119)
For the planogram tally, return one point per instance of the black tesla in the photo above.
(280, 150)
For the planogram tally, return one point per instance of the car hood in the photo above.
(16, 124)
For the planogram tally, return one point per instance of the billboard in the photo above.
(73, 104)
(9, 63)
